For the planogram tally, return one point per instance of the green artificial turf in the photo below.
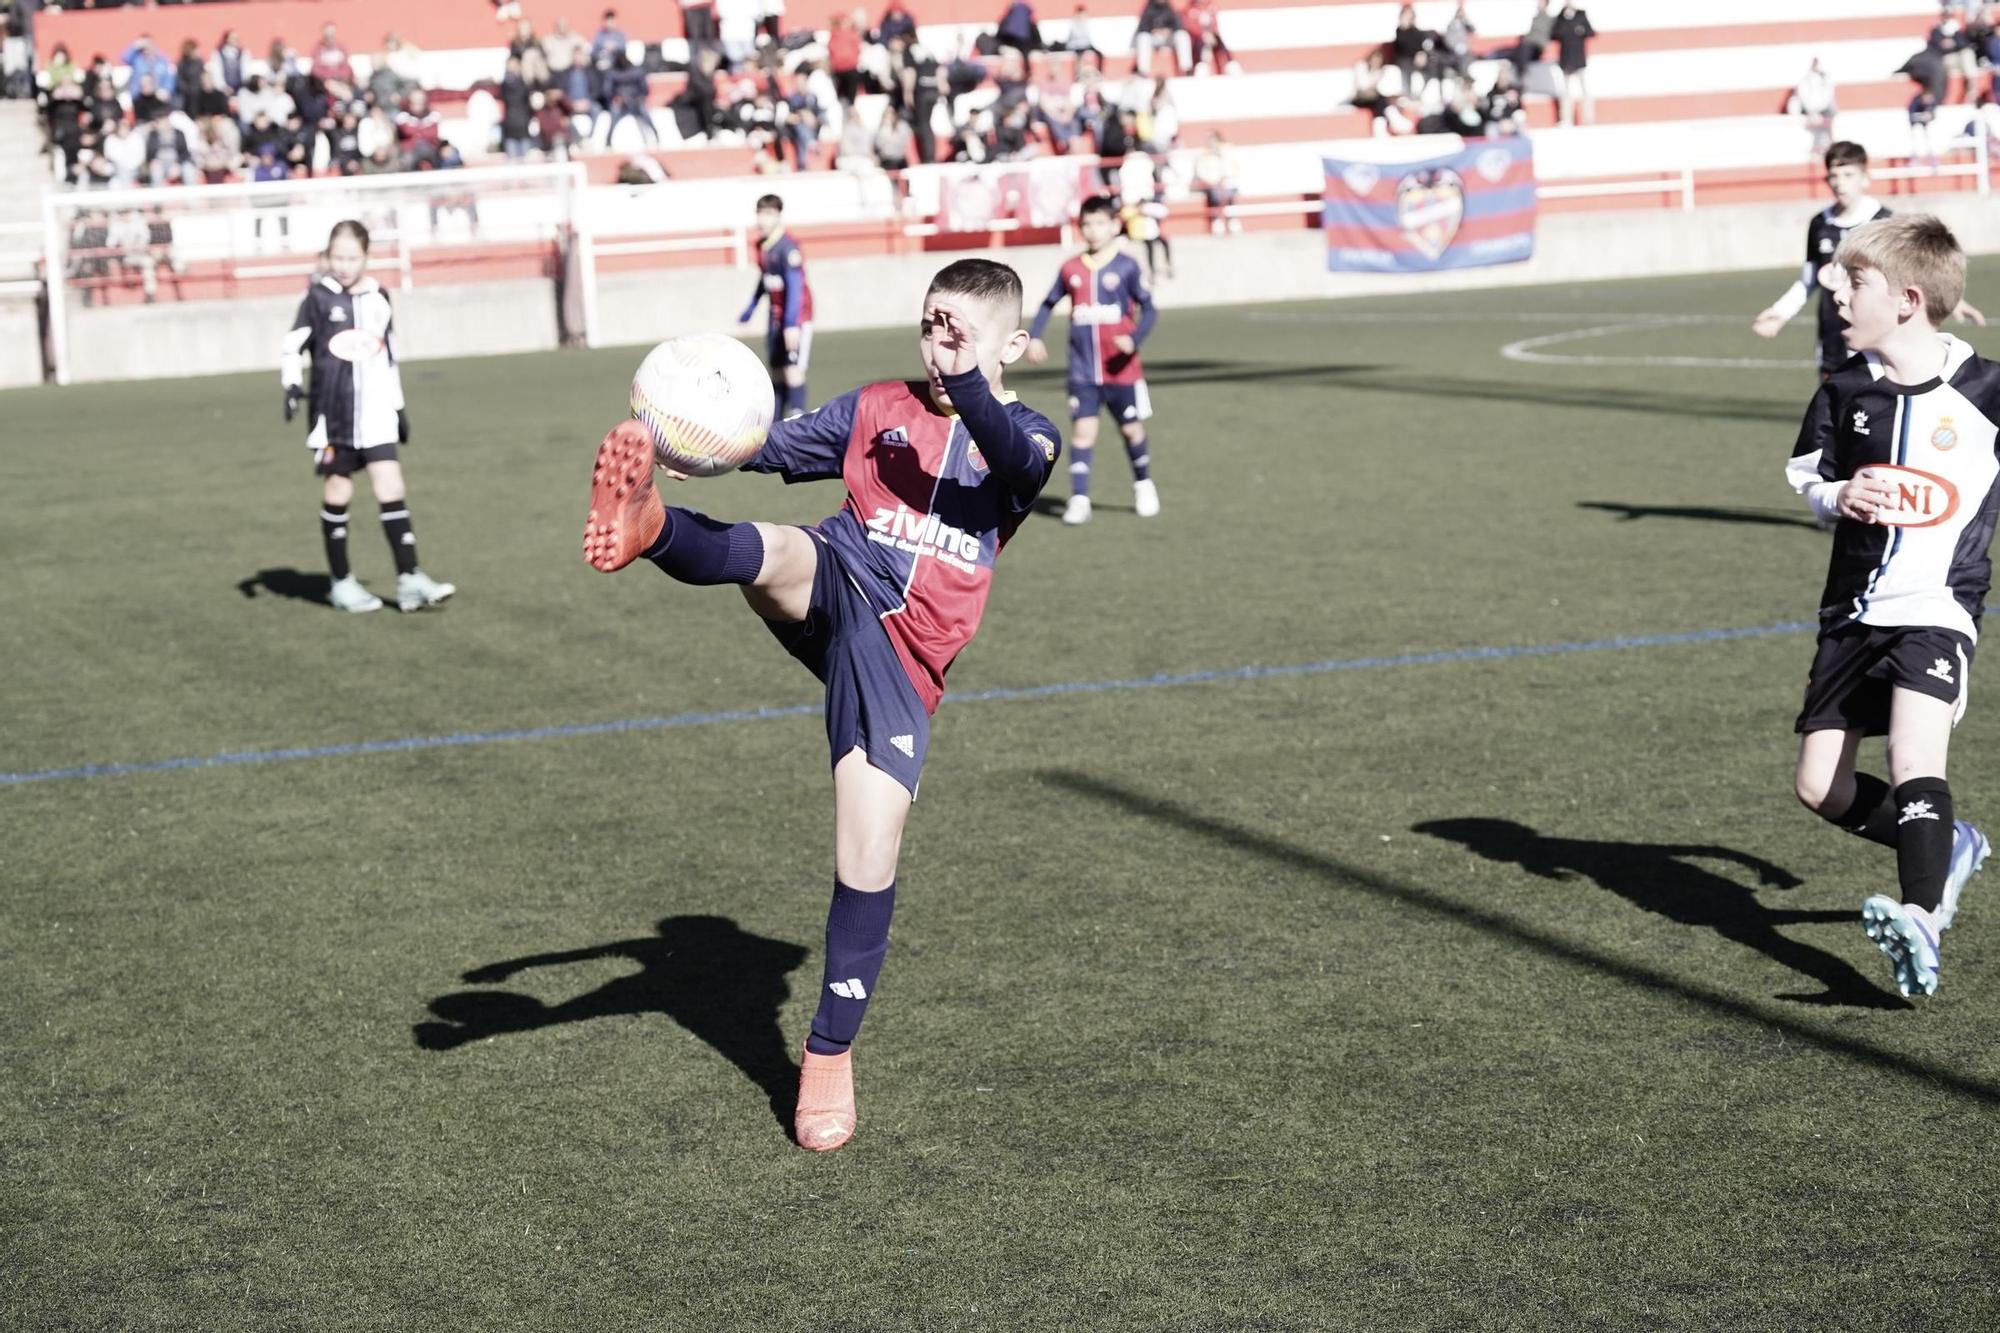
(1500, 991)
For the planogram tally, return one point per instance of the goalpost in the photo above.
(231, 241)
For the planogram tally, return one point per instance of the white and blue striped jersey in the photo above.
(357, 389)
(1925, 561)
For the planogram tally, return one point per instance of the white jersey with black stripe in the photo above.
(1925, 561)
(357, 389)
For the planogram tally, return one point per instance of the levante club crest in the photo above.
(1430, 206)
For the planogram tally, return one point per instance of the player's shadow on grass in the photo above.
(1404, 905)
(1666, 878)
(1051, 506)
(717, 980)
(1774, 518)
(289, 583)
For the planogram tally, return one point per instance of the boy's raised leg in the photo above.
(626, 515)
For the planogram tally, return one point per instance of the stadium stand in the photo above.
(1689, 103)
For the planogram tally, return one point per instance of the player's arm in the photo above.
(1142, 301)
(1038, 351)
(1779, 313)
(1020, 452)
(292, 357)
(1814, 473)
(395, 373)
(811, 447)
(756, 298)
(795, 293)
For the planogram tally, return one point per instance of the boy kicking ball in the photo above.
(1898, 446)
(876, 601)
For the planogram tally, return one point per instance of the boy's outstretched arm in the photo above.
(1779, 313)
(812, 447)
(1018, 456)
(756, 299)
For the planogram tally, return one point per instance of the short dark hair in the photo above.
(1846, 153)
(349, 227)
(983, 280)
(1097, 203)
(772, 202)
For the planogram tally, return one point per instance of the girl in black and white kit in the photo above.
(355, 415)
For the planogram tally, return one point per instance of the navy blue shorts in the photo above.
(1127, 402)
(870, 703)
(780, 357)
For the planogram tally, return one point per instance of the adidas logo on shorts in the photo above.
(907, 744)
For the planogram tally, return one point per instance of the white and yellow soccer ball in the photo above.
(706, 400)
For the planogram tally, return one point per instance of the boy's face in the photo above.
(1870, 309)
(769, 220)
(1098, 229)
(1847, 181)
(995, 326)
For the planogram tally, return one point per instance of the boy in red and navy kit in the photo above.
(782, 279)
(876, 601)
(1110, 314)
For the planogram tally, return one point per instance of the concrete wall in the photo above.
(138, 342)
(20, 341)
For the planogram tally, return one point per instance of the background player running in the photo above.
(877, 601)
(355, 415)
(788, 343)
(1899, 446)
(1852, 206)
(1105, 290)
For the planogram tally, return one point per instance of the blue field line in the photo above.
(678, 720)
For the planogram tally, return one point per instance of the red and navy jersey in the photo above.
(783, 280)
(932, 497)
(1107, 297)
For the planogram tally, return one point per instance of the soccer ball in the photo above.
(706, 400)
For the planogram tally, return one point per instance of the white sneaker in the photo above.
(348, 595)
(1077, 512)
(1909, 936)
(1968, 852)
(417, 590)
(1146, 498)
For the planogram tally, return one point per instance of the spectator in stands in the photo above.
(221, 153)
(1814, 100)
(143, 60)
(1204, 27)
(1159, 122)
(628, 94)
(1017, 28)
(697, 24)
(1216, 172)
(1079, 43)
(168, 157)
(187, 75)
(390, 81)
(419, 134)
(555, 133)
(263, 133)
(301, 145)
(1500, 109)
(330, 63)
(568, 58)
(1926, 69)
(1922, 111)
(208, 100)
(1572, 33)
(736, 28)
(1455, 43)
(60, 68)
(770, 22)
(1370, 74)
(309, 93)
(800, 119)
(895, 143)
(843, 57)
(227, 63)
(256, 96)
(527, 48)
(1062, 126)
(66, 115)
(695, 109)
(102, 104)
(1159, 26)
(1956, 49)
(277, 61)
(606, 45)
(1412, 47)
(897, 21)
(919, 88)
(516, 116)
(1534, 43)
(381, 161)
(343, 143)
(1463, 115)
(147, 100)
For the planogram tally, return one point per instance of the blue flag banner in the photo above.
(1474, 207)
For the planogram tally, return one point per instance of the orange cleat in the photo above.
(825, 1118)
(626, 515)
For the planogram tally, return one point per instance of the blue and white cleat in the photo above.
(1908, 935)
(1968, 852)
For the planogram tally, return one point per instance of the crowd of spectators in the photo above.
(1423, 81)
(1023, 88)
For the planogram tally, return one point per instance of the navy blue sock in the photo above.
(1142, 461)
(857, 939)
(695, 548)
(795, 399)
(1079, 467)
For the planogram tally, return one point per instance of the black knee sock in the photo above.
(695, 548)
(402, 541)
(1872, 813)
(1923, 854)
(333, 531)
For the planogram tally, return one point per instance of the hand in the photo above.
(747, 315)
(1038, 351)
(792, 338)
(402, 426)
(1967, 313)
(1123, 342)
(1865, 496)
(957, 340)
(1767, 324)
(293, 396)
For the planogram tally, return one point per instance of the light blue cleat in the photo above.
(1908, 935)
(1968, 852)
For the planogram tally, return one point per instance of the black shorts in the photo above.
(870, 703)
(1856, 666)
(344, 460)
